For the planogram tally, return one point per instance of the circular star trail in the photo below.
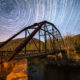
(17, 14)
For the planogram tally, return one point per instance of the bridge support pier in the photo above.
(64, 59)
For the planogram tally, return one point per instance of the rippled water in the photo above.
(50, 72)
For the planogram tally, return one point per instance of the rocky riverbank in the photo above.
(14, 70)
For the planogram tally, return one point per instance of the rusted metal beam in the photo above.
(29, 37)
(4, 43)
(25, 42)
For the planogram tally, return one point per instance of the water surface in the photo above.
(50, 72)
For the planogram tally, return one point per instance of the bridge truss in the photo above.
(48, 41)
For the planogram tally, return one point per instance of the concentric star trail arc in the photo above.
(17, 14)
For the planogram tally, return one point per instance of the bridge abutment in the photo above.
(16, 69)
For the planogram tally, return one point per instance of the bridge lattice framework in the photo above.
(49, 38)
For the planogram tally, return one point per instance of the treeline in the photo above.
(72, 42)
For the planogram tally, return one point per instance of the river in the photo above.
(41, 71)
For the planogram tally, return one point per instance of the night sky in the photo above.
(17, 14)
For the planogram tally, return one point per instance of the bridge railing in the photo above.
(45, 29)
(30, 52)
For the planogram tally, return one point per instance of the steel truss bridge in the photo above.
(49, 42)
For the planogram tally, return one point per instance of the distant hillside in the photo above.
(54, 44)
(14, 43)
(76, 37)
(72, 42)
(76, 40)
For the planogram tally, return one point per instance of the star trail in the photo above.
(17, 14)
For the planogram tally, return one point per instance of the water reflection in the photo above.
(50, 72)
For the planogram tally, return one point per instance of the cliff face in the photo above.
(14, 70)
